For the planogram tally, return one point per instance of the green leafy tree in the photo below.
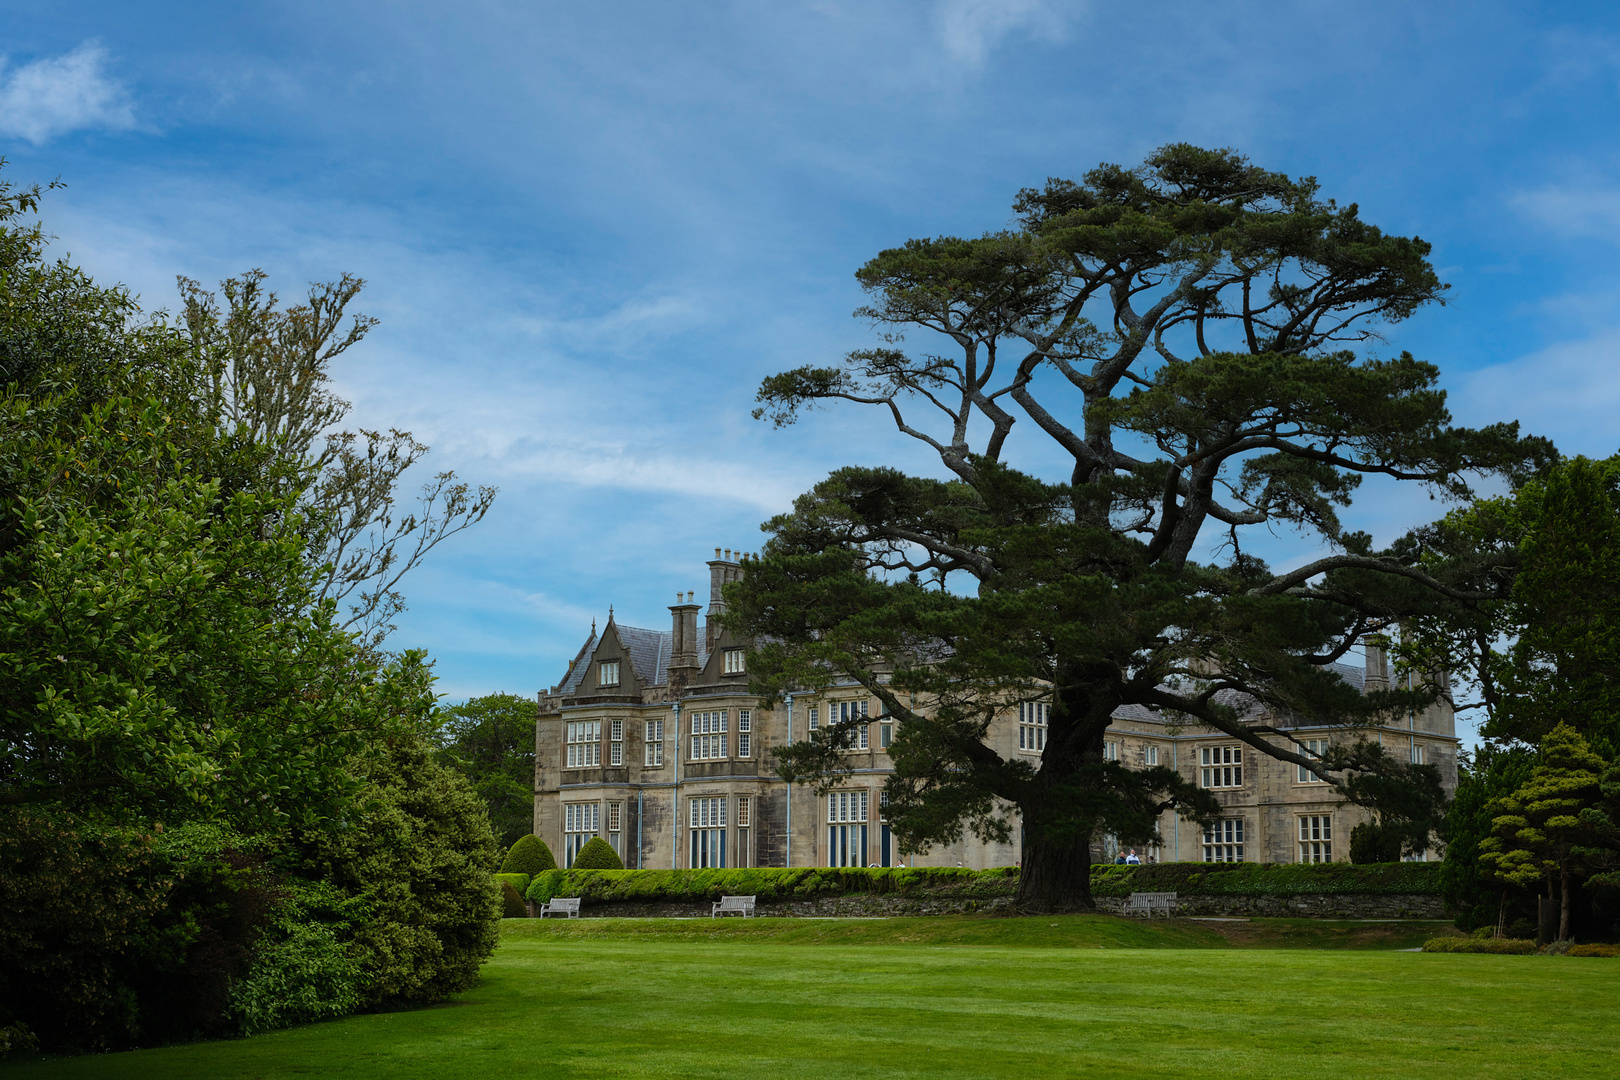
(597, 854)
(1544, 649)
(1538, 835)
(1181, 340)
(529, 855)
(490, 739)
(264, 372)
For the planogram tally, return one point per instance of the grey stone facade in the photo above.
(652, 740)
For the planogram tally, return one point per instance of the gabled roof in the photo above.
(649, 652)
(576, 669)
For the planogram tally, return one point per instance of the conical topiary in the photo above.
(597, 855)
(528, 856)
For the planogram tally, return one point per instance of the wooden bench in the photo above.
(567, 906)
(733, 905)
(1147, 901)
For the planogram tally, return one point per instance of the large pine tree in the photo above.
(1180, 341)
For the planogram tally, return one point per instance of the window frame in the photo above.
(582, 744)
(1314, 842)
(1312, 748)
(734, 662)
(745, 733)
(708, 730)
(653, 745)
(1032, 726)
(1220, 767)
(604, 668)
(1223, 841)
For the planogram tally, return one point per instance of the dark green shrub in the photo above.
(529, 855)
(302, 969)
(1496, 946)
(415, 870)
(597, 854)
(1371, 843)
(512, 905)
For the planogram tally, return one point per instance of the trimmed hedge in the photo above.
(1189, 879)
(692, 886)
(1495, 946)
(529, 855)
(520, 882)
(1268, 879)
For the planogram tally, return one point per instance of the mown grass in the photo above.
(971, 998)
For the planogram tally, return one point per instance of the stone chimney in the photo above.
(1377, 677)
(683, 652)
(721, 571)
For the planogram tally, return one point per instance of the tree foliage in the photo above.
(490, 740)
(264, 373)
(1543, 649)
(199, 765)
(1540, 834)
(1182, 337)
(1491, 773)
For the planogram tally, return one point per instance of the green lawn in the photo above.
(955, 997)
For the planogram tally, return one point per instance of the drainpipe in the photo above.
(675, 799)
(1175, 763)
(640, 803)
(787, 860)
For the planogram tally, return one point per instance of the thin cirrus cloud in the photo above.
(55, 95)
(969, 29)
(1582, 212)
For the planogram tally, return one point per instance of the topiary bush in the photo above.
(597, 854)
(528, 856)
(520, 882)
(512, 905)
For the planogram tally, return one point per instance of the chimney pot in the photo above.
(717, 553)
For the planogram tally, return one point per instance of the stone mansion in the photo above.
(652, 741)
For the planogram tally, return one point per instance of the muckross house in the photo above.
(652, 741)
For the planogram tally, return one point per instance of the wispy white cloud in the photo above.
(1570, 390)
(55, 95)
(1576, 211)
(969, 29)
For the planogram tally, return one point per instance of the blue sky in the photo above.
(589, 230)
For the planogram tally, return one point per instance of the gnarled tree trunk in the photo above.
(1055, 875)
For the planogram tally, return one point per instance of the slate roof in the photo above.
(649, 652)
(576, 669)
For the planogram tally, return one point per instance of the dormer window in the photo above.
(734, 662)
(607, 673)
